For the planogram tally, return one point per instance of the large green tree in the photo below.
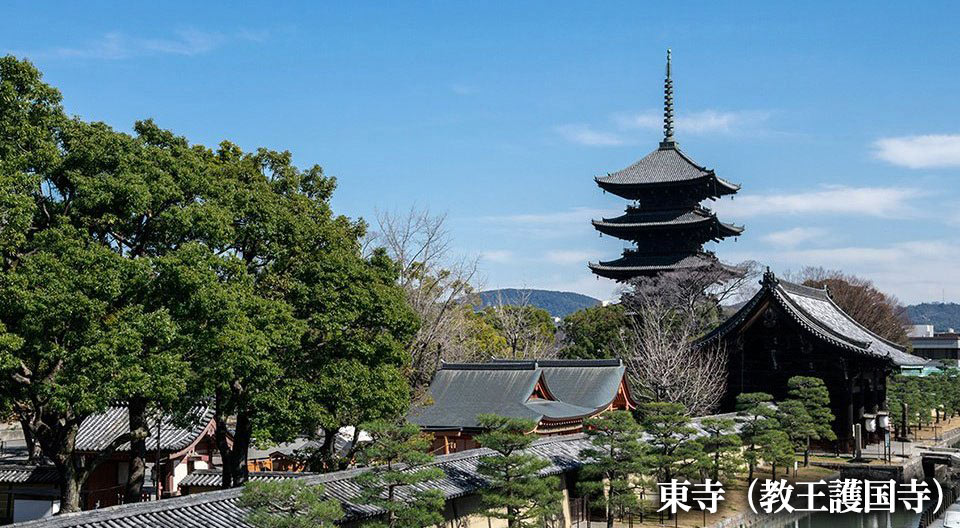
(221, 273)
(516, 492)
(79, 344)
(78, 216)
(594, 333)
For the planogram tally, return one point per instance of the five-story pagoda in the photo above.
(665, 222)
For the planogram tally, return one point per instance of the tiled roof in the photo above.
(462, 391)
(213, 478)
(639, 262)
(633, 221)
(586, 383)
(661, 165)
(99, 430)
(220, 509)
(27, 473)
(667, 164)
(815, 311)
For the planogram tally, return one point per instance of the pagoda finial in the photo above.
(667, 108)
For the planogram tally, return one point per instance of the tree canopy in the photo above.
(144, 269)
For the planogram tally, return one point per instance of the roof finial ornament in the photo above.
(769, 279)
(668, 141)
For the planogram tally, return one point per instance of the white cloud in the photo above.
(883, 202)
(499, 256)
(795, 236)
(586, 135)
(116, 45)
(920, 152)
(915, 271)
(705, 122)
(569, 256)
(574, 215)
(463, 89)
(573, 222)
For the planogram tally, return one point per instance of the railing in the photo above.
(950, 495)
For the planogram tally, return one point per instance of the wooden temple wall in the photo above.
(764, 356)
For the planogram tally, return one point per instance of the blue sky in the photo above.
(840, 119)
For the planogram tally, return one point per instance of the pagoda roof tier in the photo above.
(666, 166)
(633, 264)
(628, 225)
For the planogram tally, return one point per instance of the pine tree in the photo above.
(618, 457)
(796, 422)
(777, 449)
(516, 491)
(397, 455)
(288, 504)
(721, 447)
(672, 439)
(760, 416)
(813, 396)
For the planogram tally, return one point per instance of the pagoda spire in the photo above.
(668, 140)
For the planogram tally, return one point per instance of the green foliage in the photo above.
(813, 394)
(777, 449)
(593, 333)
(926, 398)
(527, 330)
(617, 456)
(796, 422)
(288, 504)
(397, 455)
(721, 448)
(516, 493)
(674, 451)
(759, 418)
(136, 267)
(806, 415)
(480, 339)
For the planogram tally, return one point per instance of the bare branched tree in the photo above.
(667, 314)
(880, 312)
(528, 331)
(437, 286)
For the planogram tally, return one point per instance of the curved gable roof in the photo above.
(582, 383)
(98, 431)
(665, 165)
(574, 389)
(816, 312)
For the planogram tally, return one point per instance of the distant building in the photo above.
(789, 330)
(29, 491)
(665, 223)
(558, 395)
(943, 347)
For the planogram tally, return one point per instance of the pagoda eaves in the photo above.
(667, 225)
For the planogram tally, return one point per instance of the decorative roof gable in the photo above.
(815, 312)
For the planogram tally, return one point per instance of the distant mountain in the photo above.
(941, 315)
(559, 304)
